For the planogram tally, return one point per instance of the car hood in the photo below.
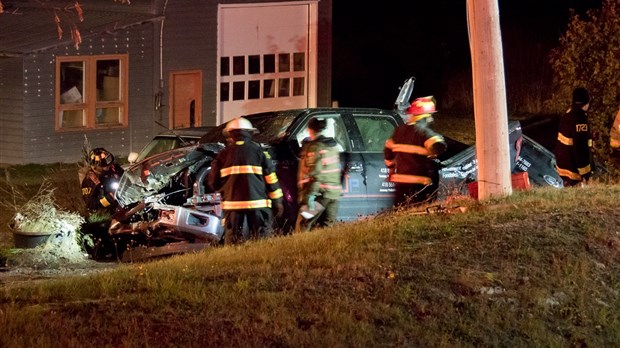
(147, 178)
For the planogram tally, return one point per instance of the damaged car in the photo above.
(165, 199)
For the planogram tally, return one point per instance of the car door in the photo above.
(366, 176)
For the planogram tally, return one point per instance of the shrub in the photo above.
(588, 55)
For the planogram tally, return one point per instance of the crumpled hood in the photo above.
(146, 178)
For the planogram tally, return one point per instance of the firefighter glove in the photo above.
(311, 202)
(277, 207)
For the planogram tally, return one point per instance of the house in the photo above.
(181, 63)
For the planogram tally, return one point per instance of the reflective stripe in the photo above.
(330, 171)
(584, 170)
(276, 194)
(614, 143)
(410, 179)
(330, 160)
(389, 163)
(241, 170)
(567, 173)
(239, 142)
(413, 149)
(260, 203)
(565, 140)
(104, 202)
(590, 143)
(432, 140)
(389, 143)
(271, 178)
(331, 187)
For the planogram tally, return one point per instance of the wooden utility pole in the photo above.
(490, 111)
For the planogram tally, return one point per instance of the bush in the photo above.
(589, 56)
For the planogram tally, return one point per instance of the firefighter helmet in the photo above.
(239, 123)
(100, 157)
(421, 108)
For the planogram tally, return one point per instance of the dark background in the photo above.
(376, 47)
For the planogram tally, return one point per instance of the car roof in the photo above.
(194, 132)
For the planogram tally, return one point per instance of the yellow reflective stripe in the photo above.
(614, 143)
(239, 142)
(104, 202)
(589, 142)
(389, 143)
(565, 140)
(413, 149)
(275, 194)
(411, 179)
(432, 140)
(260, 203)
(241, 170)
(584, 170)
(271, 178)
(567, 173)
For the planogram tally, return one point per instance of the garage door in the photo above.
(267, 57)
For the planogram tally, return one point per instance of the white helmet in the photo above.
(239, 123)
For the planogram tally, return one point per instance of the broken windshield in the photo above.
(270, 125)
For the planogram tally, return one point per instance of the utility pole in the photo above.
(490, 111)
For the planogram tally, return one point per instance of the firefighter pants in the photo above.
(243, 224)
(323, 219)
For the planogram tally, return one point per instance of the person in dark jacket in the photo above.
(245, 176)
(573, 150)
(318, 179)
(101, 181)
(410, 155)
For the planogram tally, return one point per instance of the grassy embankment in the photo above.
(539, 268)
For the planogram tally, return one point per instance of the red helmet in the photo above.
(422, 106)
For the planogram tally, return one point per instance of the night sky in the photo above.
(376, 48)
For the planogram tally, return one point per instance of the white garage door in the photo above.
(267, 57)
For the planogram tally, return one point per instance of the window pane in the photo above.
(254, 64)
(108, 81)
(239, 65)
(71, 119)
(299, 62)
(375, 130)
(284, 62)
(298, 86)
(254, 89)
(71, 82)
(239, 90)
(269, 88)
(224, 66)
(108, 116)
(284, 87)
(224, 91)
(269, 62)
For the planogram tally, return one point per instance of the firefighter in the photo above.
(101, 181)
(573, 149)
(411, 152)
(614, 134)
(245, 176)
(318, 179)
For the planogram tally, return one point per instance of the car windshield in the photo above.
(270, 125)
(158, 145)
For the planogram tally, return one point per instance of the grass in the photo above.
(538, 268)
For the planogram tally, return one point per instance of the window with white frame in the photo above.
(91, 92)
